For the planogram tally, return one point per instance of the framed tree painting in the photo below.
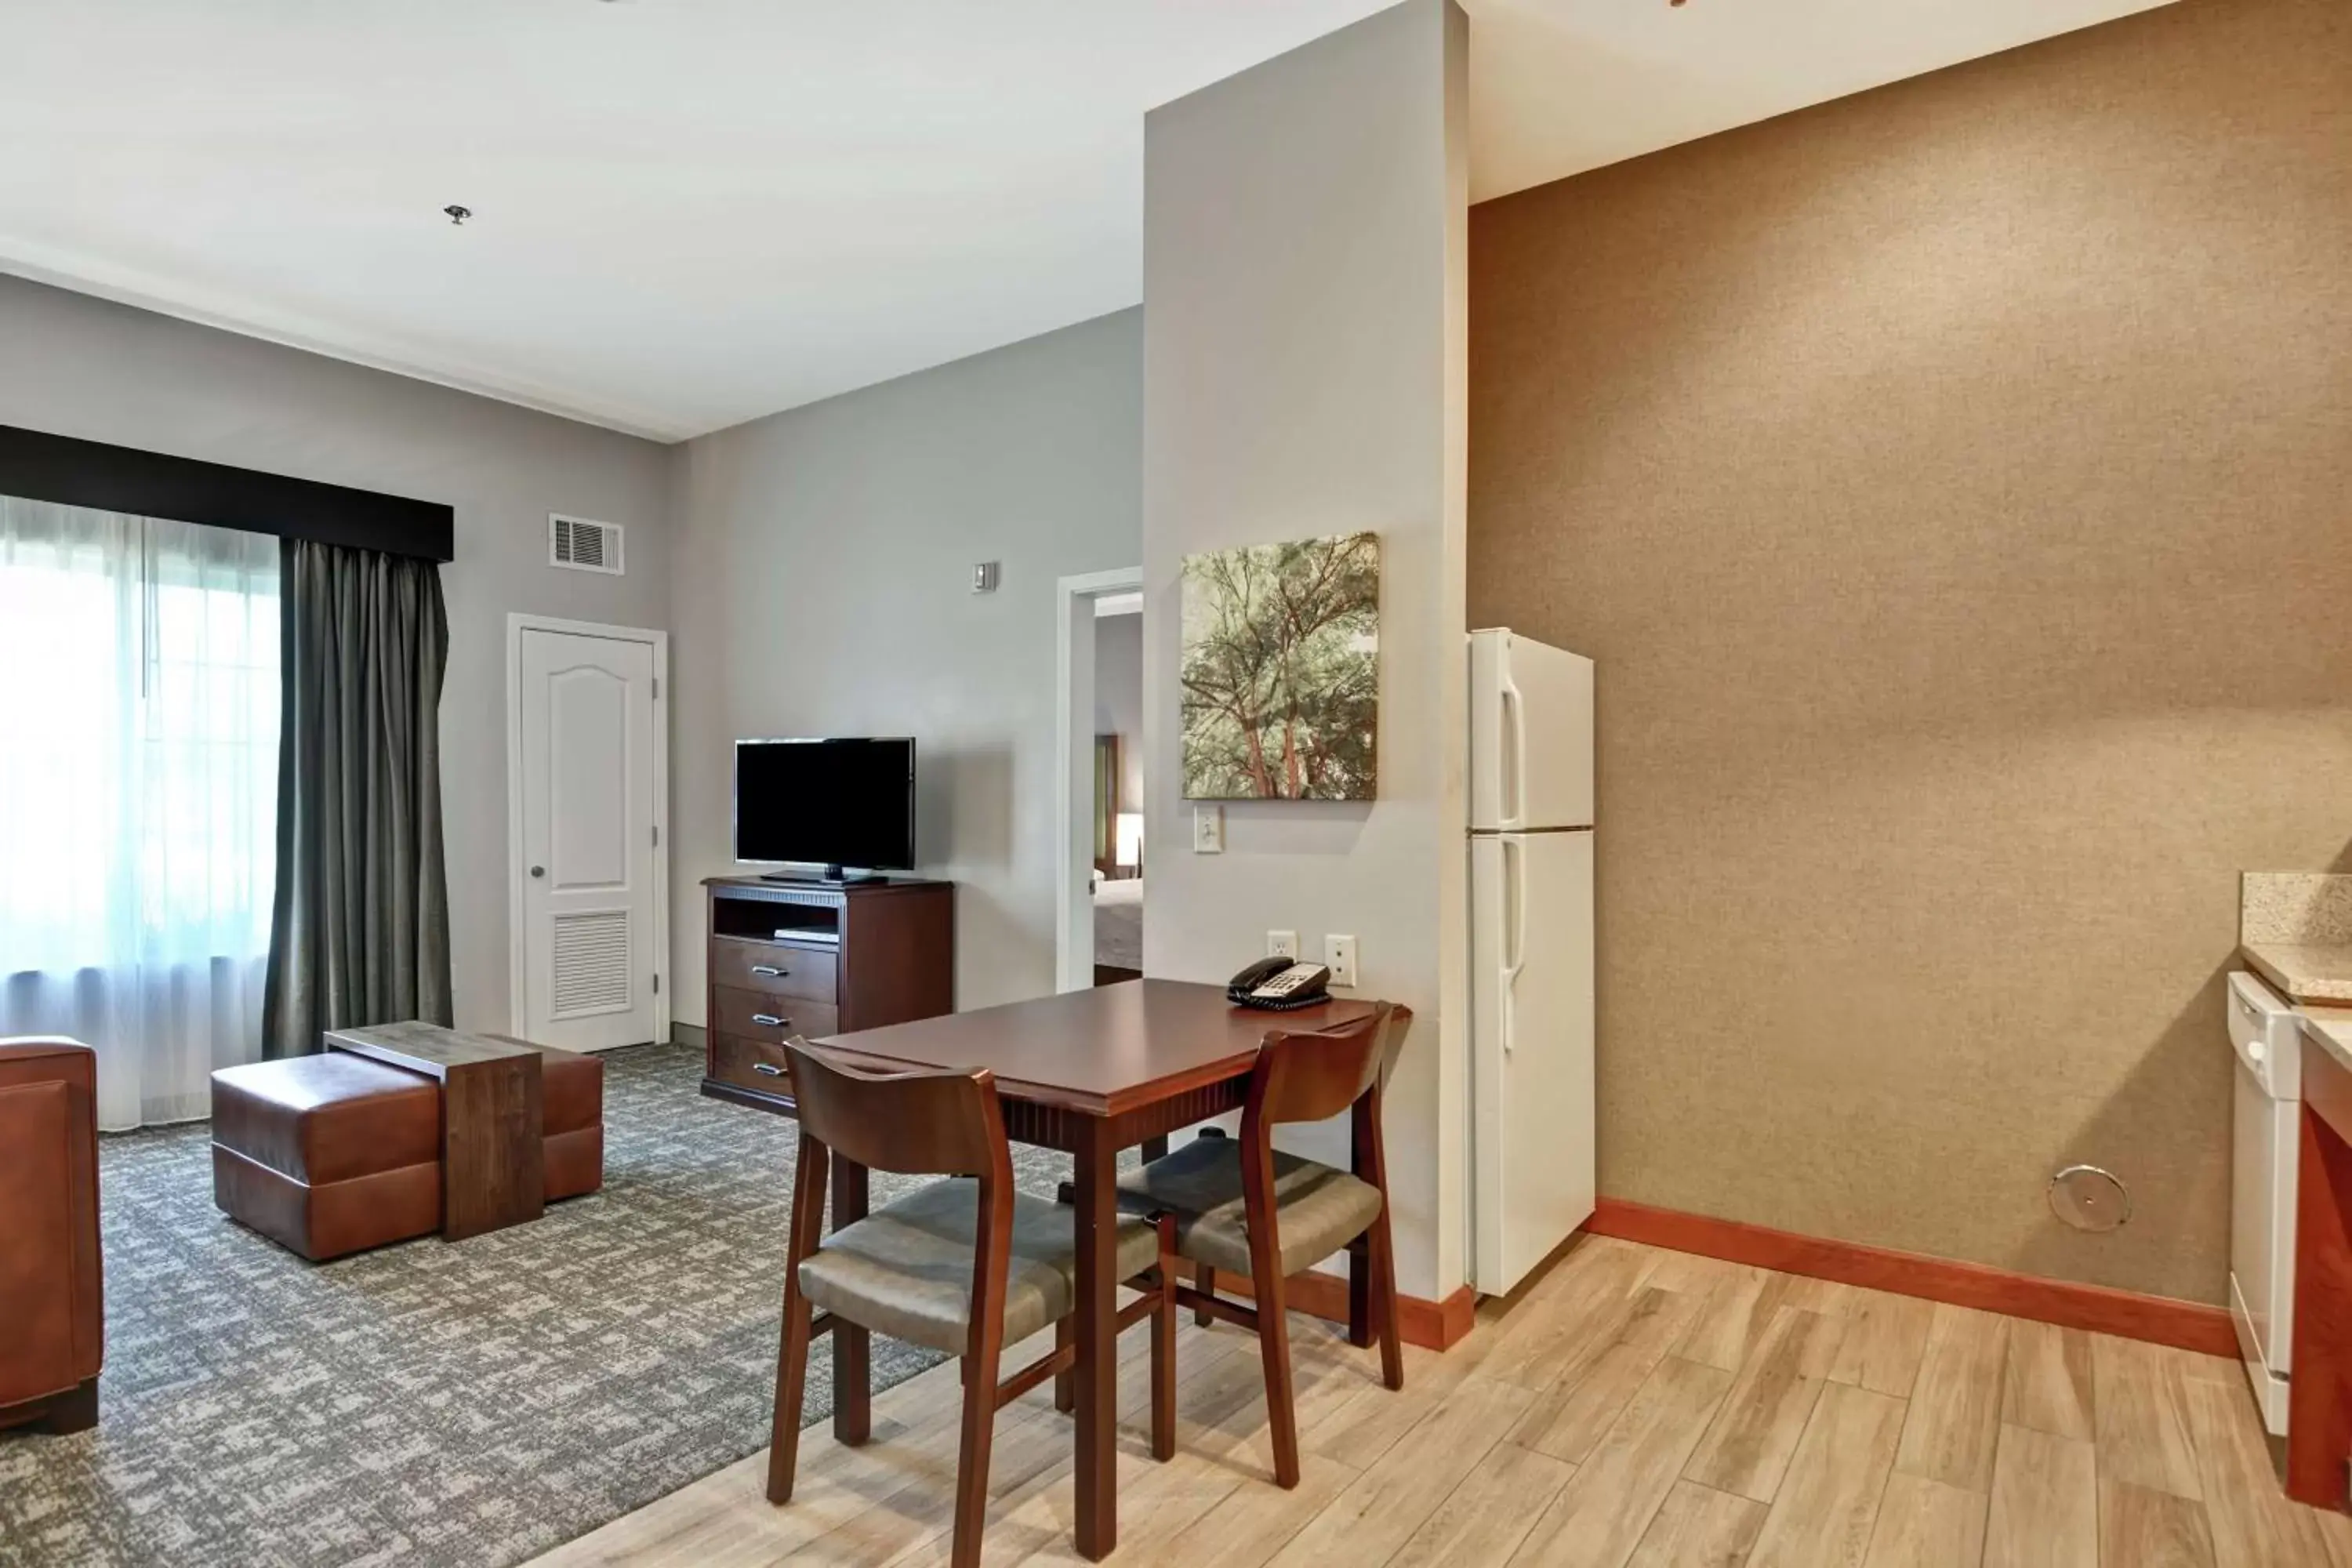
(1280, 671)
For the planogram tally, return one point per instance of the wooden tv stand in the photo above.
(814, 959)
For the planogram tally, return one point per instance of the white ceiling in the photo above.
(692, 212)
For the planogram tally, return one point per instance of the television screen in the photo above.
(832, 803)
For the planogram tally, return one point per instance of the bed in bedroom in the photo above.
(1118, 930)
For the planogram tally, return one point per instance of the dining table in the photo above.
(1091, 1073)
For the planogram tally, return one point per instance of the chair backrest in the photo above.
(918, 1122)
(1312, 1075)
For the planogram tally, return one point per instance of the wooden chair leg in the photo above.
(1274, 1351)
(792, 1377)
(1380, 1253)
(791, 1354)
(1065, 1384)
(972, 1458)
(1163, 1348)
(1371, 1165)
(1204, 1278)
(853, 1343)
(1360, 1293)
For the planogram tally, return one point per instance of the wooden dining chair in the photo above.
(1243, 1206)
(965, 1266)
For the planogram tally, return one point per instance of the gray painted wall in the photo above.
(80, 366)
(1305, 242)
(822, 586)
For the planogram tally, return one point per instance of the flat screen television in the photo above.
(837, 804)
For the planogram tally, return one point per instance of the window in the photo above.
(139, 696)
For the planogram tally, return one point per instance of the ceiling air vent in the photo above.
(583, 545)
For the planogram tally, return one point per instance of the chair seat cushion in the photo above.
(1317, 1210)
(906, 1270)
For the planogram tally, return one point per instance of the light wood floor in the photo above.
(1636, 1406)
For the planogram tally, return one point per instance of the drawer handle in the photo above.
(767, 969)
(771, 1068)
(771, 1020)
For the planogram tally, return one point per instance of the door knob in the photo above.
(539, 870)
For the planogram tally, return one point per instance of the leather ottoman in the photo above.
(572, 1122)
(327, 1155)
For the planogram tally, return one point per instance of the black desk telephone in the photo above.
(1279, 985)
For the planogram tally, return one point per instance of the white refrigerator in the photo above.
(1532, 954)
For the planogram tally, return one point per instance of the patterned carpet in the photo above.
(431, 1402)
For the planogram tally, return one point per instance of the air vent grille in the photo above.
(591, 963)
(583, 545)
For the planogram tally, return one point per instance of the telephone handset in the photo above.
(1279, 985)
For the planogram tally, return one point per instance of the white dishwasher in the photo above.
(2265, 1143)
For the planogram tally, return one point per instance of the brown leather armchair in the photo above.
(49, 1277)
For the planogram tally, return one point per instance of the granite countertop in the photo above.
(2295, 929)
(2332, 1027)
(2306, 972)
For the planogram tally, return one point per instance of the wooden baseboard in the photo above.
(2190, 1325)
(1433, 1325)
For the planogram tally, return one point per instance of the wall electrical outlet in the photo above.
(1340, 958)
(1208, 830)
(1282, 945)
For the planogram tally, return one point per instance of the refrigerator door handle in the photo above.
(1515, 934)
(1514, 735)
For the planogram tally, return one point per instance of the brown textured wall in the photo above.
(1954, 485)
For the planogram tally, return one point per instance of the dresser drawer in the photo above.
(749, 1015)
(775, 968)
(752, 1064)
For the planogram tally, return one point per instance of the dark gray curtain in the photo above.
(360, 932)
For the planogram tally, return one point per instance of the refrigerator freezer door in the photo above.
(1530, 735)
(1531, 1048)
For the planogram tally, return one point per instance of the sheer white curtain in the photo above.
(138, 702)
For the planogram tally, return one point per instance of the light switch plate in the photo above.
(1208, 830)
(1282, 945)
(1340, 958)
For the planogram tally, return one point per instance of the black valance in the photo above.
(66, 471)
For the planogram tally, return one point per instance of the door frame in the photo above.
(518, 945)
(1074, 771)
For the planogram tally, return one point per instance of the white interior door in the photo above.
(588, 841)
(1531, 1046)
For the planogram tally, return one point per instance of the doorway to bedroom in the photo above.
(1115, 886)
(1099, 923)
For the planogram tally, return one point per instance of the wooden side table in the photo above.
(493, 1157)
